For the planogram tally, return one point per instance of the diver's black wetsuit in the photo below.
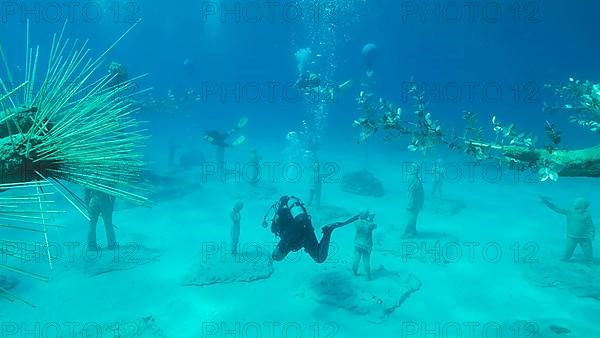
(308, 82)
(218, 138)
(294, 227)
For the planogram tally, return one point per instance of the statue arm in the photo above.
(553, 206)
(572, 163)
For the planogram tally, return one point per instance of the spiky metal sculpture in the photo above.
(27, 210)
(65, 123)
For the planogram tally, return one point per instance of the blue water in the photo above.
(489, 62)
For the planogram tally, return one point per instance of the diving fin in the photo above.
(345, 84)
(209, 139)
(239, 140)
(242, 122)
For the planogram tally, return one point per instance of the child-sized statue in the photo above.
(253, 171)
(316, 187)
(363, 242)
(437, 189)
(236, 219)
(100, 204)
(580, 228)
(415, 200)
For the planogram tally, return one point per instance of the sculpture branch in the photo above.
(510, 146)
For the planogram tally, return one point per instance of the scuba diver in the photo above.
(292, 224)
(309, 83)
(219, 139)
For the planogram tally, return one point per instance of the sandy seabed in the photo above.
(491, 269)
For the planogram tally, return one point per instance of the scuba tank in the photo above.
(286, 210)
(296, 209)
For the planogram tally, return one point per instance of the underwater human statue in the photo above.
(292, 224)
(316, 187)
(100, 204)
(253, 171)
(236, 219)
(438, 180)
(415, 200)
(172, 152)
(51, 134)
(363, 242)
(580, 227)
(219, 139)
